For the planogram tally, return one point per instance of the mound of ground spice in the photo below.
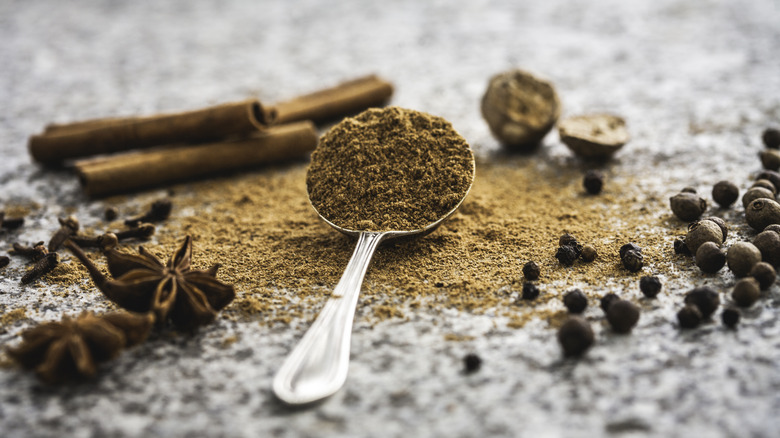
(389, 169)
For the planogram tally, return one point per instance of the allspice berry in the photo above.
(773, 227)
(768, 242)
(689, 189)
(575, 301)
(705, 298)
(725, 193)
(709, 258)
(575, 336)
(746, 292)
(730, 317)
(771, 138)
(764, 274)
(689, 317)
(721, 224)
(702, 231)
(633, 261)
(687, 206)
(762, 213)
(680, 247)
(741, 257)
(765, 183)
(623, 316)
(770, 159)
(754, 193)
(589, 253)
(520, 108)
(594, 135)
(531, 271)
(650, 286)
(593, 182)
(771, 175)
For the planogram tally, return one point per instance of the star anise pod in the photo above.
(142, 283)
(72, 347)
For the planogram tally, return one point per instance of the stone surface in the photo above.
(697, 82)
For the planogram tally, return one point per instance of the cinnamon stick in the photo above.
(93, 137)
(142, 169)
(331, 103)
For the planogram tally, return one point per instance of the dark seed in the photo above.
(709, 258)
(575, 336)
(702, 231)
(607, 300)
(725, 193)
(680, 247)
(721, 224)
(771, 175)
(530, 291)
(4, 261)
(771, 138)
(746, 292)
(687, 206)
(688, 189)
(593, 182)
(770, 159)
(650, 286)
(623, 316)
(110, 213)
(705, 298)
(566, 255)
(689, 317)
(575, 301)
(754, 193)
(633, 261)
(764, 274)
(766, 184)
(730, 318)
(567, 239)
(588, 253)
(471, 363)
(773, 227)
(741, 257)
(628, 247)
(531, 271)
(768, 242)
(761, 213)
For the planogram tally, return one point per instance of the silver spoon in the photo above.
(318, 365)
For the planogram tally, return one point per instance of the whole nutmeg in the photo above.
(754, 193)
(702, 231)
(520, 108)
(770, 159)
(705, 298)
(689, 317)
(575, 336)
(721, 223)
(687, 206)
(764, 274)
(741, 257)
(622, 316)
(762, 213)
(709, 257)
(725, 193)
(768, 242)
(765, 183)
(746, 292)
(594, 135)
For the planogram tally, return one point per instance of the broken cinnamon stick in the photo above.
(93, 137)
(143, 169)
(331, 103)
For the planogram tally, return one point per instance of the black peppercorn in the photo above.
(575, 336)
(764, 274)
(575, 301)
(588, 253)
(622, 316)
(471, 363)
(746, 292)
(730, 318)
(709, 258)
(566, 255)
(627, 247)
(687, 206)
(768, 242)
(705, 298)
(689, 316)
(531, 271)
(633, 261)
(771, 138)
(650, 286)
(607, 301)
(530, 291)
(593, 181)
(741, 257)
(725, 193)
(567, 239)
(680, 247)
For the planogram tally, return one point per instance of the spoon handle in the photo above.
(317, 367)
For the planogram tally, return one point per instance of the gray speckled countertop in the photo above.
(697, 81)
